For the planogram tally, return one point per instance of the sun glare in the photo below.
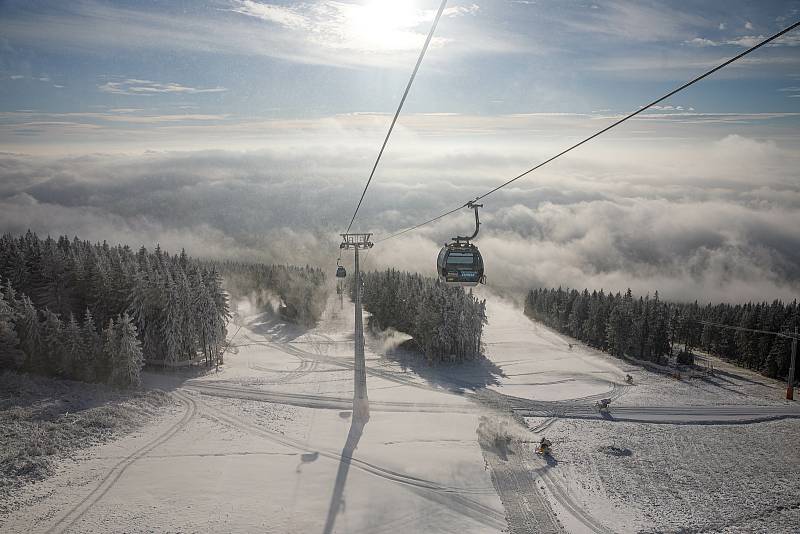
(383, 25)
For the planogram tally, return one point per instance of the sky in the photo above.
(244, 128)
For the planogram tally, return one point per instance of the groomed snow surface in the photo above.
(269, 444)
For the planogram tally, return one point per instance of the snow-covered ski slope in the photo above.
(708, 454)
(269, 444)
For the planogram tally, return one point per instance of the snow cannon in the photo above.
(544, 447)
(602, 405)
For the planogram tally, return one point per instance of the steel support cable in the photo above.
(399, 108)
(604, 130)
(787, 335)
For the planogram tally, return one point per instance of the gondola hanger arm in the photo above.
(471, 204)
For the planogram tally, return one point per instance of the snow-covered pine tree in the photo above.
(10, 354)
(71, 349)
(12, 262)
(126, 358)
(105, 359)
(98, 287)
(29, 332)
(659, 336)
(91, 350)
(220, 313)
(57, 281)
(203, 310)
(171, 326)
(9, 294)
(52, 354)
(187, 332)
(617, 330)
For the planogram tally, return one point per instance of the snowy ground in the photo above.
(671, 456)
(269, 444)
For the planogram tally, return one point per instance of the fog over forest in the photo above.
(692, 205)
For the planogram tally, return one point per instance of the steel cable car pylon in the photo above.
(358, 242)
(460, 263)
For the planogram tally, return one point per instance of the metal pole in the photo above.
(360, 401)
(790, 378)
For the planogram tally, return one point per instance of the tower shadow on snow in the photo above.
(337, 498)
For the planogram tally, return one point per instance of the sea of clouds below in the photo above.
(716, 220)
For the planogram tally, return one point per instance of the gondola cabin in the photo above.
(460, 264)
(340, 272)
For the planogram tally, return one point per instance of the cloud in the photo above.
(670, 108)
(285, 16)
(135, 87)
(713, 217)
(684, 62)
(337, 33)
(109, 131)
(41, 78)
(632, 21)
(745, 41)
(377, 26)
(699, 41)
(457, 11)
(112, 122)
(789, 39)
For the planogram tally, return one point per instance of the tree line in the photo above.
(135, 307)
(446, 322)
(651, 329)
(39, 341)
(302, 291)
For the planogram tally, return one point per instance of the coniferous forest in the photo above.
(446, 322)
(302, 290)
(650, 329)
(97, 313)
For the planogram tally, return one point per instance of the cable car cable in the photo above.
(396, 115)
(399, 108)
(787, 335)
(596, 134)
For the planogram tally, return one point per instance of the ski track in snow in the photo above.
(322, 401)
(544, 386)
(452, 497)
(107, 481)
(526, 508)
(577, 407)
(387, 474)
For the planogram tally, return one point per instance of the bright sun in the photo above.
(383, 25)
